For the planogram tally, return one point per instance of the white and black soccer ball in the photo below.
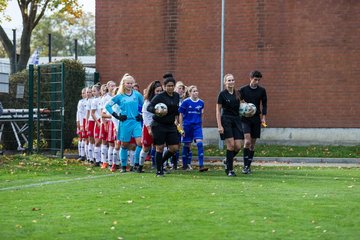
(247, 109)
(161, 109)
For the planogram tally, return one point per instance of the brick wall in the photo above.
(308, 52)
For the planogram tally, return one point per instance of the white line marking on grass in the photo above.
(53, 182)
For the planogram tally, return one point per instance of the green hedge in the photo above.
(74, 82)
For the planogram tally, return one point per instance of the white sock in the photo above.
(91, 152)
(131, 157)
(97, 154)
(110, 154)
(79, 147)
(104, 153)
(86, 150)
(116, 156)
(143, 155)
(82, 148)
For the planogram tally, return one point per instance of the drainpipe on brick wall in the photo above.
(221, 143)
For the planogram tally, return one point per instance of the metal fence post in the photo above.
(31, 109)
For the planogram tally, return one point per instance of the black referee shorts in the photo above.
(252, 125)
(163, 133)
(232, 127)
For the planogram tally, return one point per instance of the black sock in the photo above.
(167, 155)
(251, 157)
(229, 159)
(159, 162)
(236, 153)
(246, 157)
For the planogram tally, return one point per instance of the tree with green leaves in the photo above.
(32, 11)
(64, 29)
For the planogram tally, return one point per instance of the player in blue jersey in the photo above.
(128, 101)
(191, 114)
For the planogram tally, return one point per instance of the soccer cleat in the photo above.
(231, 174)
(114, 167)
(104, 165)
(203, 169)
(246, 170)
(189, 167)
(140, 169)
(160, 174)
(97, 164)
(123, 170)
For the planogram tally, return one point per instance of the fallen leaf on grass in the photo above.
(36, 209)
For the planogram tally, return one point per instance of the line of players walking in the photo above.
(118, 126)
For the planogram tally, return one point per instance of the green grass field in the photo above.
(263, 150)
(45, 198)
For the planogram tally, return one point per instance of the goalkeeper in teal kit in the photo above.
(128, 101)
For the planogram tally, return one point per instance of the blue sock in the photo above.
(200, 148)
(123, 156)
(175, 158)
(153, 151)
(189, 156)
(137, 154)
(185, 153)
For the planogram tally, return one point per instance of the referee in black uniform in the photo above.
(163, 127)
(229, 123)
(253, 93)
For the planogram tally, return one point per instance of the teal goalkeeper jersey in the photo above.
(128, 104)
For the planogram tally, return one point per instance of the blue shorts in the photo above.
(129, 128)
(192, 132)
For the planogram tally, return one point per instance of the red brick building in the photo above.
(308, 52)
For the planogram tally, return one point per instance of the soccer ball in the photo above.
(247, 109)
(161, 109)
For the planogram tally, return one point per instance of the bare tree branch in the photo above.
(6, 42)
(41, 13)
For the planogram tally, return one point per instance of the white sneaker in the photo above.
(189, 167)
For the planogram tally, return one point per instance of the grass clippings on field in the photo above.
(83, 202)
